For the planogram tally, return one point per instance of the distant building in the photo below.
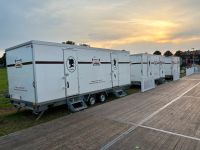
(188, 57)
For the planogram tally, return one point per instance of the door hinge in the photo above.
(34, 84)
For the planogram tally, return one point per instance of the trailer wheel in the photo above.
(102, 97)
(92, 100)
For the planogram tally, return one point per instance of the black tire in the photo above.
(92, 100)
(102, 97)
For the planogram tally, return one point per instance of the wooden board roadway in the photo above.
(167, 117)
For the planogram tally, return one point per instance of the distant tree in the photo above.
(178, 53)
(69, 42)
(168, 53)
(86, 45)
(3, 60)
(157, 53)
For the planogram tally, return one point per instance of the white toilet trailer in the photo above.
(161, 68)
(172, 67)
(141, 71)
(176, 68)
(45, 74)
(156, 66)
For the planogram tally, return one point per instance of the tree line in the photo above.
(3, 60)
(168, 53)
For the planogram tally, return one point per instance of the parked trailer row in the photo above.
(45, 74)
(142, 71)
(172, 67)
(147, 68)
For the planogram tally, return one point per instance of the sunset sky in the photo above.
(135, 25)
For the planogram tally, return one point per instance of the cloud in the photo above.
(130, 24)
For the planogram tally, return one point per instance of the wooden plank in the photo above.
(73, 132)
(182, 117)
(195, 76)
(95, 127)
(148, 118)
(133, 108)
(194, 92)
(174, 88)
(143, 139)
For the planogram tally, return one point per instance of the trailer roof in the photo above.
(62, 45)
(140, 54)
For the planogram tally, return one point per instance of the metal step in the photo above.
(76, 104)
(119, 93)
(80, 108)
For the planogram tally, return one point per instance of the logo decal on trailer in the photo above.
(18, 63)
(96, 62)
(71, 64)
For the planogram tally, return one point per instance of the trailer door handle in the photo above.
(67, 84)
(33, 84)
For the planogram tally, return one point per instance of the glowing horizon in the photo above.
(137, 26)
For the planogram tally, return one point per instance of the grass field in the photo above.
(4, 103)
(11, 121)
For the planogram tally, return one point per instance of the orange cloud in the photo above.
(144, 31)
(154, 31)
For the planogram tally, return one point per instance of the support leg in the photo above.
(40, 115)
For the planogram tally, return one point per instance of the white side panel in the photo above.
(49, 72)
(147, 84)
(124, 69)
(141, 67)
(145, 66)
(176, 68)
(168, 66)
(189, 71)
(20, 74)
(50, 83)
(136, 67)
(94, 69)
(162, 72)
(156, 66)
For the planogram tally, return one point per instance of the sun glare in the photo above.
(156, 31)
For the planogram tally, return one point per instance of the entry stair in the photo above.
(119, 93)
(76, 104)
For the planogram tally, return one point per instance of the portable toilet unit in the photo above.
(176, 68)
(172, 67)
(141, 71)
(46, 74)
(156, 66)
(161, 68)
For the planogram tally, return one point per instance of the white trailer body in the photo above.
(172, 67)
(176, 68)
(162, 71)
(142, 71)
(41, 74)
(156, 66)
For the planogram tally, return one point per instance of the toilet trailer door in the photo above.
(175, 68)
(114, 70)
(150, 66)
(71, 73)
